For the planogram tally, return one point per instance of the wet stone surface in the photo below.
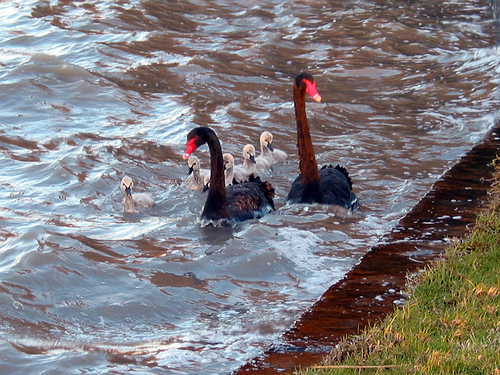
(372, 289)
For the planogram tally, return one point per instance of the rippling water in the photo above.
(92, 91)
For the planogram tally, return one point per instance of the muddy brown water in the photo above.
(355, 302)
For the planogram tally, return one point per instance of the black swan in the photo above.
(329, 185)
(238, 202)
(130, 201)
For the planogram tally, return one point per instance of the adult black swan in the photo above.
(329, 185)
(238, 202)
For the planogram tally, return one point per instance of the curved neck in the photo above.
(265, 151)
(216, 204)
(228, 174)
(196, 176)
(308, 167)
(128, 204)
(250, 166)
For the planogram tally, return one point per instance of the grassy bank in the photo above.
(451, 323)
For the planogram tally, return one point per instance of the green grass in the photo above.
(451, 323)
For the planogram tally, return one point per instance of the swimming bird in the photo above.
(268, 152)
(250, 164)
(130, 201)
(238, 202)
(228, 160)
(196, 174)
(330, 185)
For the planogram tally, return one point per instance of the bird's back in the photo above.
(335, 185)
(250, 199)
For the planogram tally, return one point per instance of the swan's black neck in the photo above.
(216, 204)
(310, 178)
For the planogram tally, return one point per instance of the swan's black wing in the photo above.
(249, 199)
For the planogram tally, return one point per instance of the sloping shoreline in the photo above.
(369, 292)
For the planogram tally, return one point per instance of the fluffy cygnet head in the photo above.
(193, 164)
(266, 140)
(249, 153)
(126, 184)
(228, 161)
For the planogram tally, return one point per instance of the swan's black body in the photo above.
(238, 202)
(330, 185)
(335, 186)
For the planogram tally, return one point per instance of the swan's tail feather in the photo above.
(267, 188)
(269, 192)
(342, 170)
